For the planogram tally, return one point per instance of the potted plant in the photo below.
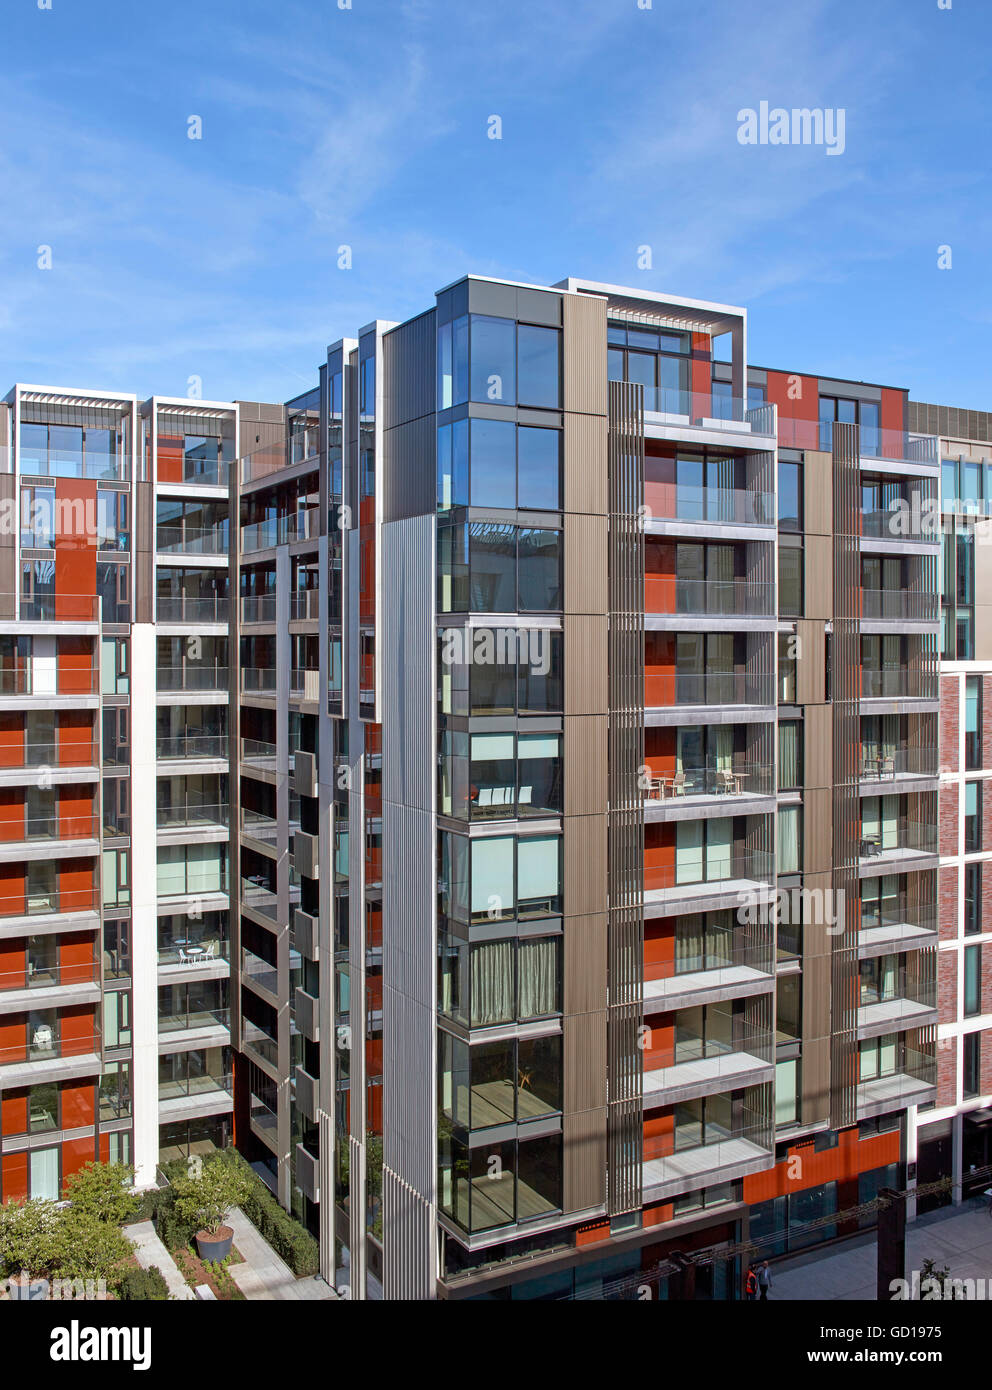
(204, 1199)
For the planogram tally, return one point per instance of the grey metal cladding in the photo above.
(408, 847)
(408, 361)
(408, 1270)
(409, 453)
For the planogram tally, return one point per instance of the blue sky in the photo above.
(218, 258)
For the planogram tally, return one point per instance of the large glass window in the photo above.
(789, 496)
(972, 817)
(493, 360)
(499, 877)
(495, 567)
(790, 581)
(973, 723)
(972, 981)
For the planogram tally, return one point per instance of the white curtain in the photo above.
(45, 1174)
(788, 840)
(492, 982)
(538, 977)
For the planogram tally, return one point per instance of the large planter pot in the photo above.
(28, 1289)
(214, 1245)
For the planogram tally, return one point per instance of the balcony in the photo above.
(726, 1154)
(264, 1121)
(902, 607)
(304, 605)
(901, 846)
(883, 772)
(45, 983)
(204, 1018)
(704, 1067)
(899, 926)
(58, 608)
(729, 882)
(912, 523)
(706, 506)
(670, 598)
(256, 825)
(32, 913)
(716, 790)
(180, 609)
(192, 746)
(259, 754)
(896, 1009)
(60, 762)
(898, 683)
(192, 540)
(258, 680)
(256, 971)
(203, 819)
(307, 1093)
(191, 678)
(206, 1084)
(881, 449)
(280, 530)
(714, 975)
(40, 837)
(911, 1081)
(36, 678)
(258, 608)
(258, 897)
(305, 850)
(46, 1056)
(715, 688)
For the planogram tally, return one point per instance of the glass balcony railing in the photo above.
(258, 826)
(203, 677)
(257, 895)
(190, 816)
(206, 1016)
(44, 1044)
(54, 827)
(899, 605)
(31, 678)
(911, 1070)
(757, 867)
(740, 1038)
(258, 608)
(191, 746)
(723, 505)
(266, 976)
(304, 683)
(49, 755)
(898, 683)
(51, 608)
(712, 408)
(922, 993)
(192, 540)
(877, 914)
(906, 522)
(738, 778)
(206, 1083)
(899, 836)
(49, 903)
(303, 604)
(256, 750)
(892, 446)
(662, 689)
(279, 530)
(182, 609)
(877, 763)
(259, 1041)
(664, 594)
(258, 680)
(48, 974)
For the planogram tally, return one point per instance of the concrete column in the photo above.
(144, 905)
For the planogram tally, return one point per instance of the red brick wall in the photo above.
(948, 903)
(986, 1068)
(987, 722)
(986, 979)
(948, 817)
(950, 717)
(947, 1053)
(947, 985)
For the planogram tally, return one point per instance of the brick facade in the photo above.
(950, 722)
(948, 906)
(947, 986)
(948, 818)
(947, 1071)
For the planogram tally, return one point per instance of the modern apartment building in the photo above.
(953, 1139)
(574, 687)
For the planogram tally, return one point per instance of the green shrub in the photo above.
(291, 1241)
(205, 1196)
(144, 1286)
(103, 1190)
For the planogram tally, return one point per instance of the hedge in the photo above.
(144, 1286)
(291, 1241)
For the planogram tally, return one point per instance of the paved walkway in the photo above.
(264, 1275)
(149, 1251)
(956, 1238)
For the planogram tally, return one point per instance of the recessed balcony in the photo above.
(728, 882)
(888, 769)
(899, 845)
(898, 610)
(725, 1152)
(64, 835)
(910, 1078)
(665, 689)
(704, 1066)
(710, 605)
(728, 789)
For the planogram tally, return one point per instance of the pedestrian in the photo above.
(764, 1279)
(751, 1284)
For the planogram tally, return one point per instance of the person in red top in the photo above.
(751, 1284)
